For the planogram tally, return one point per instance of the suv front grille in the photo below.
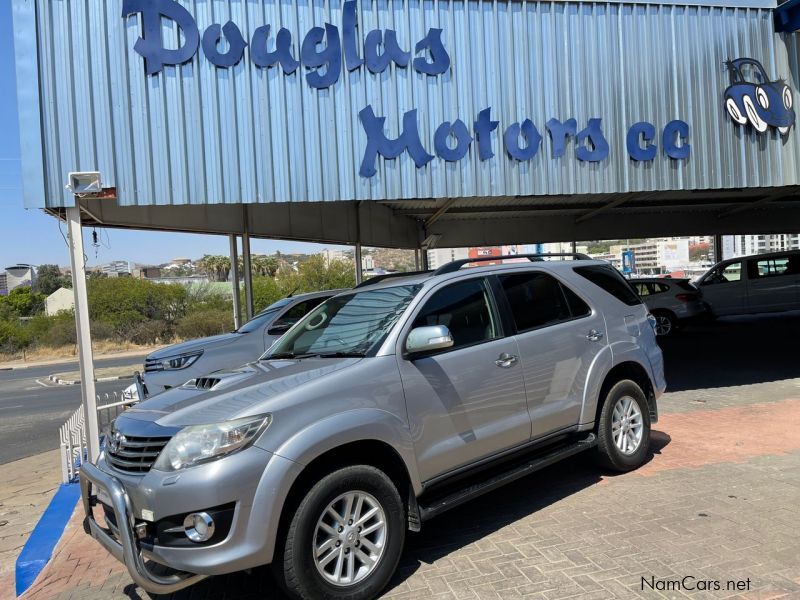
(134, 454)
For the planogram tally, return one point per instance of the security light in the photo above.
(432, 241)
(84, 182)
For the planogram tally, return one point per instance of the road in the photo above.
(32, 408)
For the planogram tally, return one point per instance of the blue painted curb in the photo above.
(44, 537)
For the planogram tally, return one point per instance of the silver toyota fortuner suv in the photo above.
(383, 407)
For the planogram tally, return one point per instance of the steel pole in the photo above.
(84, 335)
(248, 275)
(237, 304)
(359, 273)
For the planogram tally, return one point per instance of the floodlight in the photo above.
(84, 182)
(431, 241)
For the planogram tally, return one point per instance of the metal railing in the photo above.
(73, 447)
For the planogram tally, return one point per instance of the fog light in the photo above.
(199, 527)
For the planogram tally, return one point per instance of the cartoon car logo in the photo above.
(762, 102)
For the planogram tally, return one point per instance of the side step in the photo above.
(440, 504)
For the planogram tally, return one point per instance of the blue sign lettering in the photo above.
(674, 132)
(151, 45)
(559, 132)
(326, 53)
(641, 131)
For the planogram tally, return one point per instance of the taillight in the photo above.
(687, 297)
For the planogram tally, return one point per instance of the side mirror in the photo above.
(279, 329)
(428, 339)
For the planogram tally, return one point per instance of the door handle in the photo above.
(506, 360)
(594, 336)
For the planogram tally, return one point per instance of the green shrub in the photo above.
(13, 337)
(148, 332)
(205, 323)
(60, 333)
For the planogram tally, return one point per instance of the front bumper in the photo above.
(125, 547)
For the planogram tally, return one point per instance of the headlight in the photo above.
(175, 363)
(197, 444)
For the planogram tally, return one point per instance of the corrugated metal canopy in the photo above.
(190, 147)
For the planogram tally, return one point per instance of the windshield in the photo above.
(262, 318)
(346, 325)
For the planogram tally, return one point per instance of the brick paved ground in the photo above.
(26, 487)
(718, 501)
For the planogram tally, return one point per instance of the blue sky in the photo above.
(19, 227)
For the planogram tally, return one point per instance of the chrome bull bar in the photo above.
(127, 549)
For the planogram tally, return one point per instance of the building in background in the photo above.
(3, 284)
(19, 275)
(62, 299)
(744, 245)
(661, 256)
(332, 255)
(116, 267)
(442, 256)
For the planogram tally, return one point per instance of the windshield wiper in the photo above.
(338, 355)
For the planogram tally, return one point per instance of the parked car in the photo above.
(176, 364)
(753, 284)
(671, 301)
(382, 408)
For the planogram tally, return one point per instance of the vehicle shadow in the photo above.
(440, 537)
(732, 351)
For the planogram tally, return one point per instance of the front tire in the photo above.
(345, 538)
(623, 430)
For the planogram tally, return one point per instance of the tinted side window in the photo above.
(609, 279)
(577, 307)
(659, 288)
(536, 300)
(298, 311)
(768, 267)
(641, 289)
(465, 309)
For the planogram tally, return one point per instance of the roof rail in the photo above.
(456, 265)
(379, 278)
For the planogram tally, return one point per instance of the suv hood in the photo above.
(237, 393)
(215, 341)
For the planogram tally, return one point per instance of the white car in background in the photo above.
(176, 364)
(670, 301)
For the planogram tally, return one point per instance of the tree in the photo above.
(49, 279)
(24, 302)
(215, 266)
(266, 266)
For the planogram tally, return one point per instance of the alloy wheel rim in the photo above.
(349, 539)
(627, 425)
(663, 325)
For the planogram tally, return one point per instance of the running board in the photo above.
(520, 469)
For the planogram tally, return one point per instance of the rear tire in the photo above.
(333, 548)
(666, 323)
(623, 430)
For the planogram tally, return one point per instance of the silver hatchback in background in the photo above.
(176, 364)
(671, 301)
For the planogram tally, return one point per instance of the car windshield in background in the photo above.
(346, 325)
(261, 319)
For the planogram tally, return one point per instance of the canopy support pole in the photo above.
(357, 256)
(248, 275)
(717, 248)
(237, 304)
(84, 335)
